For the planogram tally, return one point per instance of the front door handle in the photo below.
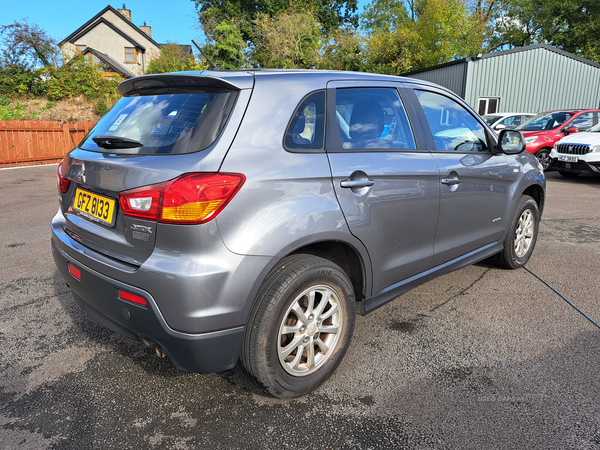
(354, 184)
(451, 181)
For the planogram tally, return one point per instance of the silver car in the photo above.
(225, 215)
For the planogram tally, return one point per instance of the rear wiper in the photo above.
(116, 142)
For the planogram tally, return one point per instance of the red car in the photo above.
(541, 132)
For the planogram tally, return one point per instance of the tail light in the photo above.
(192, 198)
(63, 183)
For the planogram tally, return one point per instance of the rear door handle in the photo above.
(353, 184)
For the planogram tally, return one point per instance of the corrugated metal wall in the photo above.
(451, 76)
(533, 81)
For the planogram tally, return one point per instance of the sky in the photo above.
(171, 20)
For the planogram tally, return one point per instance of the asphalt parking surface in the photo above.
(482, 358)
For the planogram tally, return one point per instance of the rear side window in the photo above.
(452, 126)
(172, 122)
(372, 118)
(305, 131)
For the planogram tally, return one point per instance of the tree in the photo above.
(227, 48)
(27, 57)
(447, 30)
(578, 27)
(290, 40)
(405, 36)
(331, 14)
(395, 52)
(572, 25)
(171, 59)
(27, 46)
(343, 51)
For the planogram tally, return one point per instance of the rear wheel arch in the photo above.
(344, 256)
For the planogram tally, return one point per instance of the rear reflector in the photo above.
(74, 271)
(133, 298)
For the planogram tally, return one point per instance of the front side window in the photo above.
(305, 131)
(452, 126)
(166, 123)
(372, 118)
(545, 121)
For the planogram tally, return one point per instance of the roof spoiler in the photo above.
(181, 79)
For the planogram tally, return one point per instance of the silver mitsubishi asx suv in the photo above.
(249, 215)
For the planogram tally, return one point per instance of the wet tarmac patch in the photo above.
(577, 231)
(408, 326)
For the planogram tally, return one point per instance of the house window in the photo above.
(80, 48)
(130, 55)
(488, 105)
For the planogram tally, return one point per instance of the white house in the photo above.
(111, 40)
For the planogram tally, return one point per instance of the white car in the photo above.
(578, 153)
(500, 121)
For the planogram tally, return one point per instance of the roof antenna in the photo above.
(212, 64)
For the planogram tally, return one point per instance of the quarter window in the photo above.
(372, 118)
(305, 131)
(130, 55)
(452, 126)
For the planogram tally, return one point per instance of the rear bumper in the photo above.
(98, 296)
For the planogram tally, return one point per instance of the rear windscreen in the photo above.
(172, 122)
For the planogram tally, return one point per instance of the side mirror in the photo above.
(571, 130)
(511, 142)
(500, 127)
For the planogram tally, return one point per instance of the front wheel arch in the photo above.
(521, 236)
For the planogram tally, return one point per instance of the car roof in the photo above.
(244, 79)
(573, 111)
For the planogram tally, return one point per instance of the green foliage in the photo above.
(8, 112)
(344, 51)
(20, 81)
(290, 40)
(27, 46)
(171, 59)
(395, 53)
(227, 52)
(331, 14)
(18, 111)
(81, 78)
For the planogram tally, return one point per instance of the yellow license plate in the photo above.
(95, 207)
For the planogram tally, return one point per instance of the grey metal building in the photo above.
(528, 79)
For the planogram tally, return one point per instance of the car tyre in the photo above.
(543, 156)
(522, 235)
(300, 326)
(568, 174)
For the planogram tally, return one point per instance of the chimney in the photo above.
(146, 29)
(125, 12)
